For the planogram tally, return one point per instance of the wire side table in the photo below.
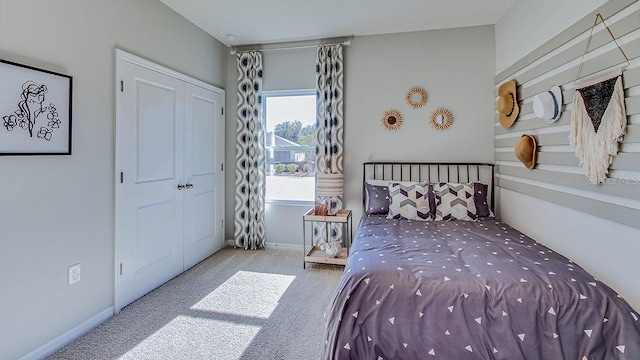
(315, 254)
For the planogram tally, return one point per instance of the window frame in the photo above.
(282, 93)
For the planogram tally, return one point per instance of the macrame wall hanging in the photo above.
(598, 118)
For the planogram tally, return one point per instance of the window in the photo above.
(290, 136)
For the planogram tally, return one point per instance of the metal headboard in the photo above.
(431, 171)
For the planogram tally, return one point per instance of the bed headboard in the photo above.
(460, 172)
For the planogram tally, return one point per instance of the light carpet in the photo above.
(236, 304)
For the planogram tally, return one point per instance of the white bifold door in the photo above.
(169, 175)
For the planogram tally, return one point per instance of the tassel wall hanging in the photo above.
(598, 119)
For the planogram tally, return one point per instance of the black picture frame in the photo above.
(35, 111)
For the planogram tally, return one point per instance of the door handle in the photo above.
(181, 187)
(189, 186)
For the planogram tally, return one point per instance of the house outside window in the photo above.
(290, 137)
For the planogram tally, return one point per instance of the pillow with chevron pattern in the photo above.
(454, 201)
(409, 201)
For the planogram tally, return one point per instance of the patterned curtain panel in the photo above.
(329, 124)
(250, 159)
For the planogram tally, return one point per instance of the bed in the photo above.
(437, 276)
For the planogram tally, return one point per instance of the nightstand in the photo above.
(315, 254)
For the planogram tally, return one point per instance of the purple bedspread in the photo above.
(471, 290)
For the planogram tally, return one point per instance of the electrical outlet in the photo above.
(74, 273)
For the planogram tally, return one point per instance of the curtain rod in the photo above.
(345, 43)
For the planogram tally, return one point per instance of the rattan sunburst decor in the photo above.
(441, 118)
(416, 97)
(392, 119)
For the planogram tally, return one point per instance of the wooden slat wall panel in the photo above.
(591, 66)
(610, 8)
(562, 138)
(621, 28)
(617, 187)
(558, 177)
(632, 107)
(631, 78)
(625, 215)
(534, 123)
(623, 161)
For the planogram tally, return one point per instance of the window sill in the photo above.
(305, 203)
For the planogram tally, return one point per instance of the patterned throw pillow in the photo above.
(454, 201)
(410, 201)
(480, 197)
(377, 199)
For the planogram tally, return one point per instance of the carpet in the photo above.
(236, 304)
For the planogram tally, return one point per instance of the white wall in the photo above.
(530, 23)
(289, 69)
(604, 248)
(455, 66)
(59, 210)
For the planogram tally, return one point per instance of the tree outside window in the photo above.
(290, 145)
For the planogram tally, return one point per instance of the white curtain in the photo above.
(250, 156)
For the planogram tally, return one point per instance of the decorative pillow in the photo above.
(388, 182)
(480, 199)
(432, 201)
(383, 187)
(454, 201)
(377, 199)
(409, 201)
(379, 182)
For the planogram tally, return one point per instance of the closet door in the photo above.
(149, 159)
(169, 206)
(204, 131)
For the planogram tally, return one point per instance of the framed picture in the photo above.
(35, 107)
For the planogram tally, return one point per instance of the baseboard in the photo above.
(272, 245)
(69, 336)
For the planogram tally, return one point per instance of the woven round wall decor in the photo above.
(416, 97)
(392, 120)
(441, 119)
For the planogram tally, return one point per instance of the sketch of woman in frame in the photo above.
(30, 108)
(31, 104)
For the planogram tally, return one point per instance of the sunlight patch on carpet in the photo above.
(192, 337)
(233, 314)
(247, 294)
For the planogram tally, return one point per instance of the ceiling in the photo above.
(295, 20)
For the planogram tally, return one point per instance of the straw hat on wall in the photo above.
(526, 150)
(507, 104)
